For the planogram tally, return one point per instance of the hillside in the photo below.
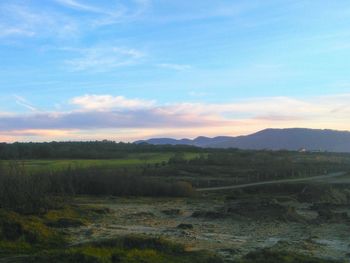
(272, 139)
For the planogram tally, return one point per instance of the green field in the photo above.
(131, 160)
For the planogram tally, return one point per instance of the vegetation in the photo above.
(216, 168)
(83, 150)
(38, 181)
(29, 229)
(130, 249)
(23, 192)
(130, 160)
(302, 192)
(270, 256)
(151, 171)
(32, 239)
(28, 193)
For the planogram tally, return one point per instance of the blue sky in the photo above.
(168, 62)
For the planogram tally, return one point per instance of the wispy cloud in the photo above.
(102, 58)
(108, 102)
(79, 6)
(114, 12)
(24, 102)
(27, 21)
(15, 31)
(181, 11)
(178, 67)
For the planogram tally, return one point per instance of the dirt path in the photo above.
(293, 180)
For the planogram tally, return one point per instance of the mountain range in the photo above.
(271, 139)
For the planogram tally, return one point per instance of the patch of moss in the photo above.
(132, 249)
(61, 257)
(71, 216)
(31, 229)
(20, 234)
(136, 255)
(14, 247)
(65, 212)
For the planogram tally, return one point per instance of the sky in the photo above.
(125, 70)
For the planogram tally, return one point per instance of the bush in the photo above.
(28, 193)
(23, 192)
(118, 182)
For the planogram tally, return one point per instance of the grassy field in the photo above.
(130, 160)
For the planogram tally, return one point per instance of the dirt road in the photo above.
(293, 180)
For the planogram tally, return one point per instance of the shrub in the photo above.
(23, 192)
(28, 193)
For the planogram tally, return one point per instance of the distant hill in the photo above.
(272, 139)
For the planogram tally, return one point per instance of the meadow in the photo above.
(131, 160)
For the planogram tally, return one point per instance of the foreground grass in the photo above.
(28, 238)
(21, 234)
(130, 249)
(27, 234)
(43, 238)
